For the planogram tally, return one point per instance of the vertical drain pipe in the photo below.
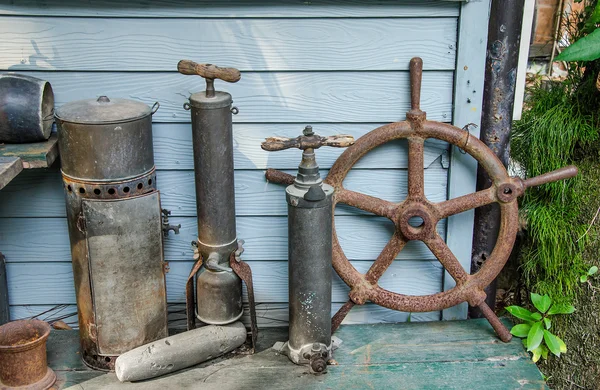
(504, 35)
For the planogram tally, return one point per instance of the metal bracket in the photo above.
(165, 223)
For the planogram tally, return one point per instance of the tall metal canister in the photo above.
(218, 287)
(115, 225)
(310, 217)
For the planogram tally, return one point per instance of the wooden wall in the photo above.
(341, 66)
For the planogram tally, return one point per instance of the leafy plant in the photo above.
(590, 272)
(535, 330)
(587, 48)
(549, 136)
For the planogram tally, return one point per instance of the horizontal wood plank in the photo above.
(231, 8)
(288, 97)
(108, 44)
(28, 283)
(268, 314)
(40, 193)
(361, 237)
(10, 167)
(173, 146)
(35, 154)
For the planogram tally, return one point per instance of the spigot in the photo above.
(210, 72)
(166, 227)
(308, 170)
(212, 263)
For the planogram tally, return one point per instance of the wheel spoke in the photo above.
(445, 256)
(385, 258)
(416, 181)
(367, 203)
(466, 202)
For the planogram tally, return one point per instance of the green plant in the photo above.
(535, 331)
(550, 135)
(590, 272)
(587, 48)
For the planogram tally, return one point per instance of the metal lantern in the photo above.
(115, 225)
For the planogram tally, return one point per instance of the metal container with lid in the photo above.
(115, 225)
(105, 139)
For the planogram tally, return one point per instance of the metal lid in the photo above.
(102, 110)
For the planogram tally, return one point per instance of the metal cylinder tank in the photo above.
(310, 271)
(219, 289)
(115, 226)
(310, 218)
(26, 109)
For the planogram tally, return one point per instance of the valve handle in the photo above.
(416, 75)
(309, 140)
(208, 71)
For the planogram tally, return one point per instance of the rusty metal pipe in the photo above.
(504, 33)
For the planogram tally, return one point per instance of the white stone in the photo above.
(179, 351)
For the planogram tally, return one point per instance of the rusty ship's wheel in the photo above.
(504, 191)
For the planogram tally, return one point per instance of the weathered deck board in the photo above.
(33, 155)
(115, 44)
(40, 193)
(10, 167)
(271, 97)
(29, 283)
(231, 8)
(448, 355)
(361, 237)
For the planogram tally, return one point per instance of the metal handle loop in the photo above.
(155, 108)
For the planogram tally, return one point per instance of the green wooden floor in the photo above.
(436, 355)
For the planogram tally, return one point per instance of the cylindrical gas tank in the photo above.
(219, 289)
(115, 226)
(26, 109)
(310, 272)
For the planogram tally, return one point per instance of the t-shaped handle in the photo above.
(210, 72)
(309, 140)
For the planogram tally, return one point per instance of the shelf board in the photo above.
(33, 155)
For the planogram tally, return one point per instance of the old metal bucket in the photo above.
(26, 109)
(23, 361)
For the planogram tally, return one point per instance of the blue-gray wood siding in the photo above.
(341, 66)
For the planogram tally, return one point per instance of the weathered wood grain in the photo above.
(109, 44)
(173, 146)
(231, 9)
(268, 314)
(33, 155)
(361, 237)
(10, 167)
(473, 358)
(275, 97)
(28, 283)
(40, 193)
